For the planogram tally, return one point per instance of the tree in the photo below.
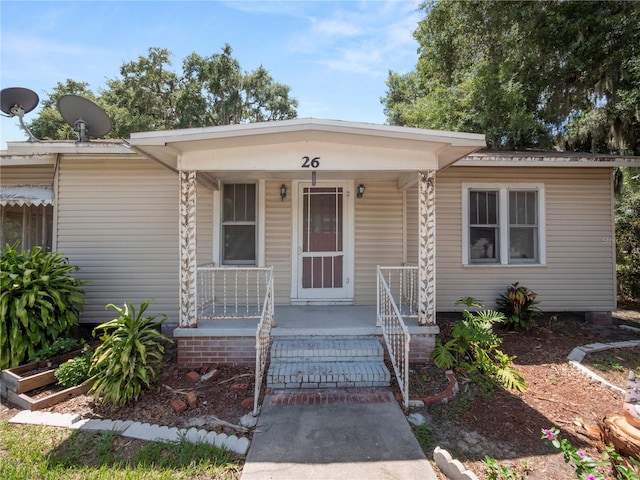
(148, 95)
(628, 233)
(527, 74)
(49, 125)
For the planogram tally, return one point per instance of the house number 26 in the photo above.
(310, 162)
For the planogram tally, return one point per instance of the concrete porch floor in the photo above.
(305, 320)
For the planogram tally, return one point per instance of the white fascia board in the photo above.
(552, 159)
(302, 124)
(70, 147)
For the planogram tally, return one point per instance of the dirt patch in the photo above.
(507, 425)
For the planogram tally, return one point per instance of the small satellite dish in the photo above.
(84, 116)
(17, 101)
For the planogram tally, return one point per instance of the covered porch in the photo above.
(291, 207)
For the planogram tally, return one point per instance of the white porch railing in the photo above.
(403, 285)
(231, 292)
(263, 341)
(395, 332)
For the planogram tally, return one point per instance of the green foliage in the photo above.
(59, 347)
(518, 305)
(496, 471)
(424, 435)
(129, 356)
(473, 347)
(39, 302)
(75, 371)
(628, 234)
(149, 95)
(587, 467)
(39, 452)
(526, 74)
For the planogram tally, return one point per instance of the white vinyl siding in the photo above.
(278, 239)
(579, 274)
(378, 235)
(118, 222)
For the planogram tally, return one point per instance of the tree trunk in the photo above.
(617, 432)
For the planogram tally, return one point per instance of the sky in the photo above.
(334, 55)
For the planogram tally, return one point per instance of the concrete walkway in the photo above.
(335, 438)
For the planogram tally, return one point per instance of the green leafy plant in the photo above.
(473, 347)
(40, 301)
(424, 435)
(75, 371)
(129, 356)
(59, 347)
(585, 466)
(518, 304)
(496, 471)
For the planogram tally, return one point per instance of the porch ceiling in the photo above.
(275, 149)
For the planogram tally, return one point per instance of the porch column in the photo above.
(427, 248)
(188, 271)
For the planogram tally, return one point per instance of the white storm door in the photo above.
(323, 266)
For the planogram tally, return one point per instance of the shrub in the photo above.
(59, 347)
(39, 302)
(518, 304)
(474, 348)
(129, 356)
(75, 371)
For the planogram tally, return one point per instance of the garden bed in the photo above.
(18, 381)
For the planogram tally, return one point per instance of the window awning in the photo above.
(30, 195)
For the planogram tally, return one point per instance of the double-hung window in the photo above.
(503, 224)
(239, 224)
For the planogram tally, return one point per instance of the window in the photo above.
(239, 224)
(30, 225)
(503, 224)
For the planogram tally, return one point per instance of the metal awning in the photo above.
(30, 195)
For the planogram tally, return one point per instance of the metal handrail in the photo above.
(263, 341)
(395, 333)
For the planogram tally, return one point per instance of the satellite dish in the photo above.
(17, 101)
(84, 116)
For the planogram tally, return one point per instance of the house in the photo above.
(221, 226)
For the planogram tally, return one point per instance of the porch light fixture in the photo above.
(313, 178)
(360, 193)
(283, 191)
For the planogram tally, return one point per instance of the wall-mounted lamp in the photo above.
(360, 193)
(283, 191)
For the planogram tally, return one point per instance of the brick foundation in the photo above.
(420, 348)
(194, 352)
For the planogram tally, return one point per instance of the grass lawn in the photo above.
(37, 452)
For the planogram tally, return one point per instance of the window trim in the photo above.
(218, 220)
(503, 190)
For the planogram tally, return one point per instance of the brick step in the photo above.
(326, 349)
(339, 374)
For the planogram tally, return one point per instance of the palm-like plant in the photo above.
(473, 347)
(129, 356)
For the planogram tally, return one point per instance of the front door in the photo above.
(323, 257)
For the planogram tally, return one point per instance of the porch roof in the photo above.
(342, 146)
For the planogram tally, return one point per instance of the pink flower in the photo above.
(549, 434)
(580, 454)
(589, 477)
